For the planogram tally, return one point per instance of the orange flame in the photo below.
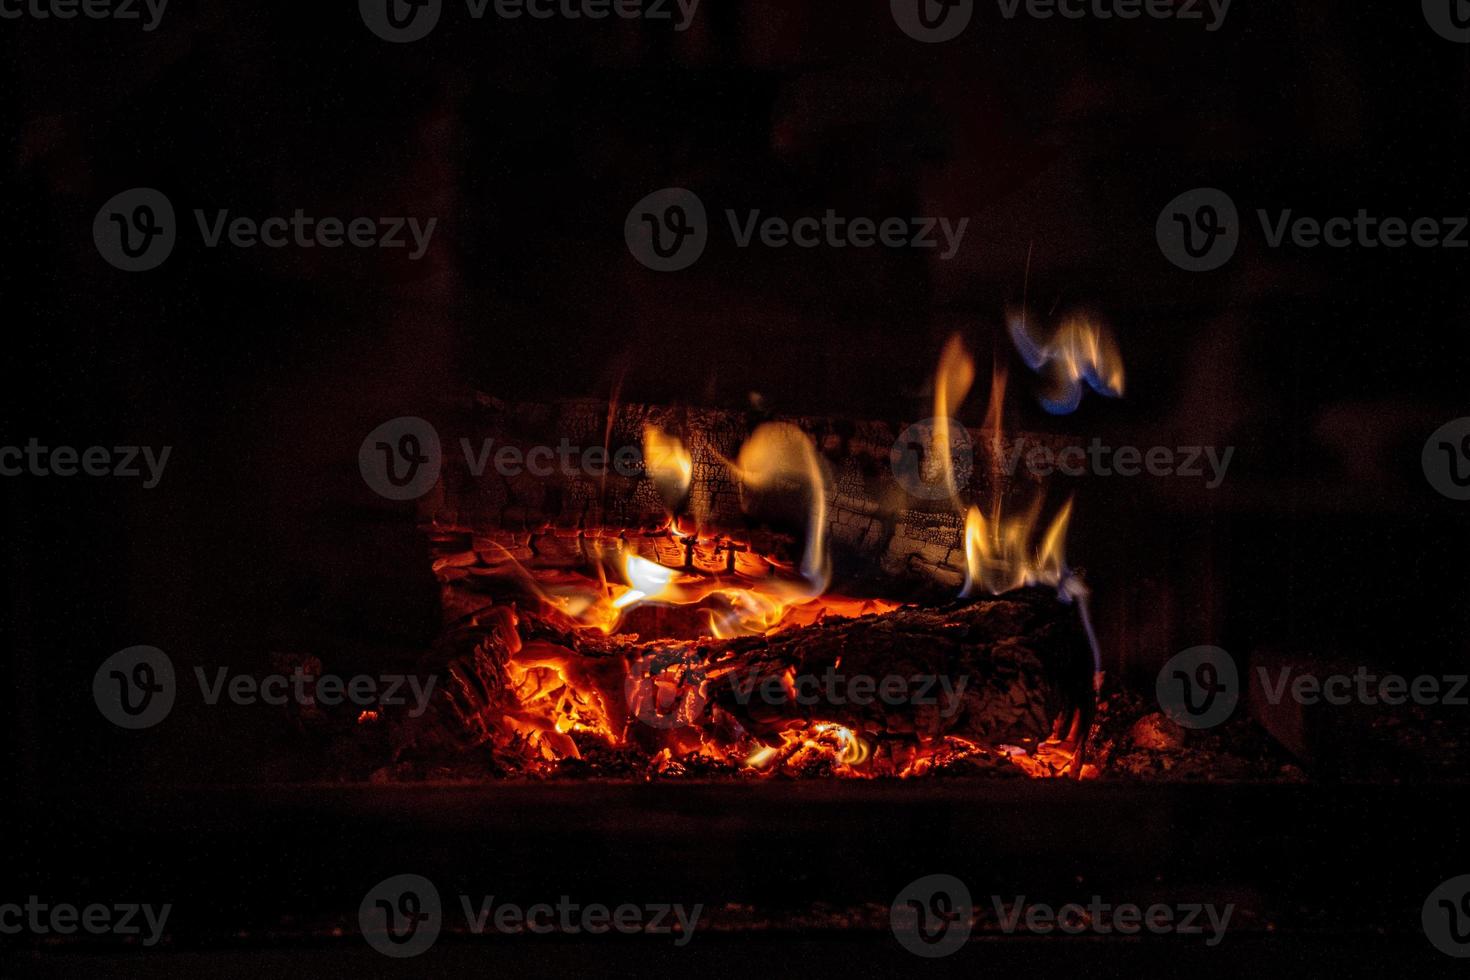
(999, 556)
(566, 703)
(951, 384)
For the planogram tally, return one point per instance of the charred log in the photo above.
(1002, 670)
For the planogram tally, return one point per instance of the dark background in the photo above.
(1061, 141)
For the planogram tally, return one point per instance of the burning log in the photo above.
(878, 526)
(1012, 670)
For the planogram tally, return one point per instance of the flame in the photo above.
(1081, 350)
(951, 384)
(999, 556)
(562, 704)
(802, 745)
(646, 580)
(668, 464)
(779, 456)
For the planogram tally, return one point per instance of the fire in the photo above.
(658, 595)
(951, 385)
(646, 580)
(999, 551)
(669, 465)
(1081, 350)
(822, 741)
(999, 556)
(779, 456)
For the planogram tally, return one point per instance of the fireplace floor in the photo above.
(801, 870)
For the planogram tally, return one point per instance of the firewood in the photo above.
(994, 670)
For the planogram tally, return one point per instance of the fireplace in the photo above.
(737, 594)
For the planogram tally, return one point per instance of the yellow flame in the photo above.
(668, 464)
(999, 556)
(777, 455)
(951, 384)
